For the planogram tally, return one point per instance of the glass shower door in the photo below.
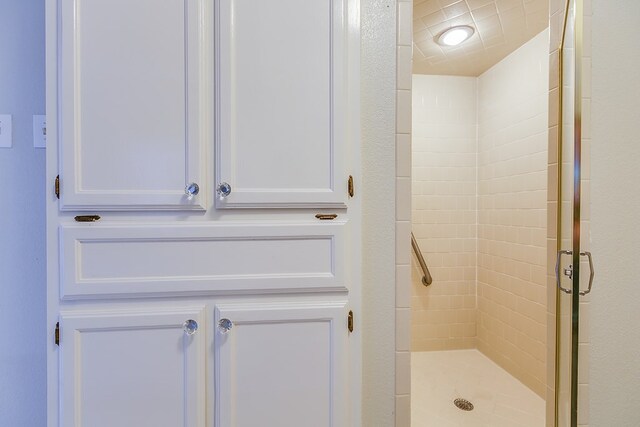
(574, 268)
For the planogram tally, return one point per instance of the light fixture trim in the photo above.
(455, 36)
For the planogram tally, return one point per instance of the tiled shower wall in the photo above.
(512, 216)
(480, 178)
(444, 211)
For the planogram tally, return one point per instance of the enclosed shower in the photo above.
(479, 217)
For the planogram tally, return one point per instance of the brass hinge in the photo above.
(57, 334)
(87, 218)
(350, 321)
(350, 186)
(57, 186)
(326, 217)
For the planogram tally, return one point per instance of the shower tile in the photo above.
(403, 242)
(405, 18)
(403, 199)
(403, 286)
(403, 78)
(403, 411)
(403, 155)
(403, 334)
(403, 372)
(403, 111)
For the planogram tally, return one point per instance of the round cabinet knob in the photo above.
(223, 190)
(191, 190)
(190, 327)
(224, 325)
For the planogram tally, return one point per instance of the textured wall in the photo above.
(22, 221)
(444, 211)
(512, 202)
(614, 367)
(378, 87)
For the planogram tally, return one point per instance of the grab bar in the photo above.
(426, 278)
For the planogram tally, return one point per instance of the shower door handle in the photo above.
(591, 271)
(558, 258)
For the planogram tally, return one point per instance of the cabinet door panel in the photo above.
(130, 127)
(282, 365)
(132, 369)
(280, 95)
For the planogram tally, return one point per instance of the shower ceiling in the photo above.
(501, 27)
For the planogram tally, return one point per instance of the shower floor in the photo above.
(500, 400)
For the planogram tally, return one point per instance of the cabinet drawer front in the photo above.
(281, 365)
(132, 369)
(118, 260)
(130, 96)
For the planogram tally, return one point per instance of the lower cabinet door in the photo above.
(281, 365)
(133, 368)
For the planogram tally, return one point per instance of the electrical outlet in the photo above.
(40, 131)
(6, 140)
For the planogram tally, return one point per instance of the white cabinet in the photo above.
(132, 368)
(145, 98)
(281, 365)
(131, 93)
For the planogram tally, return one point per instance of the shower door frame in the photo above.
(576, 211)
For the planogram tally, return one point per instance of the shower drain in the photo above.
(463, 404)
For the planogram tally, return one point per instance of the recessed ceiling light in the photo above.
(455, 35)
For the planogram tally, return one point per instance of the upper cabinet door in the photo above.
(130, 104)
(281, 71)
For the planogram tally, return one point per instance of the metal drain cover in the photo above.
(463, 404)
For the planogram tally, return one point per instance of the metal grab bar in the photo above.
(426, 278)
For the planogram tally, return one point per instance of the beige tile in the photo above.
(403, 111)
(403, 411)
(403, 372)
(403, 199)
(403, 155)
(404, 64)
(405, 21)
(425, 8)
(403, 329)
(403, 242)
(403, 286)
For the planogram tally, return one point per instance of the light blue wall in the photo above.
(22, 218)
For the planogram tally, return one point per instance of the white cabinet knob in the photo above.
(190, 327)
(224, 325)
(223, 190)
(191, 190)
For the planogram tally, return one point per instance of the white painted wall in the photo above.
(22, 218)
(615, 214)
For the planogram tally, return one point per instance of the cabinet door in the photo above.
(281, 365)
(130, 96)
(132, 369)
(281, 111)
